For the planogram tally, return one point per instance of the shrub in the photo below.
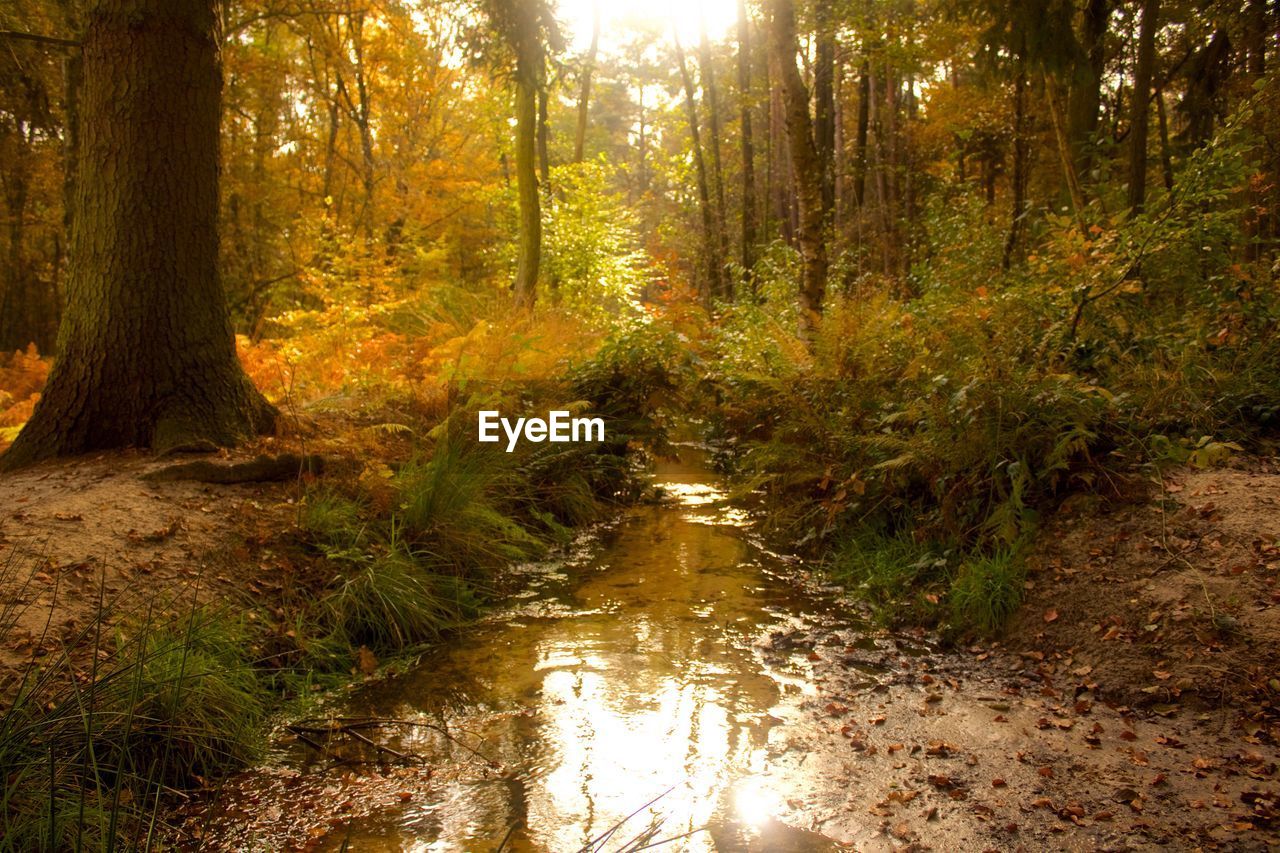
(987, 591)
(392, 602)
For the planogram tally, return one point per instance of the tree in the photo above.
(1140, 113)
(584, 97)
(824, 118)
(146, 352)
(749, 215)
(1086, 84)
(706, 71)
(525, 27)
(806, 166)
(710, 234)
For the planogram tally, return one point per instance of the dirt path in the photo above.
(1004, 751)
(73, 531)
(1172, 601)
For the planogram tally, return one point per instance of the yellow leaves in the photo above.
(22, 375)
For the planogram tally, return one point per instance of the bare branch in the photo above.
(14, 35)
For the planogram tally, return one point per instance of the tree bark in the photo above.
(706, 71)
(523, 35)
(361, 114)
(712, 261)
(749, 214)
(1084, 96)
(1166, 155)
(530, 251)
(1141, 107)
(147, 356)
(1019, 178)
(584, 96)
(824, 119)
(806, 166)
(864, 122)
(544, 138)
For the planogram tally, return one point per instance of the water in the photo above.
(634, 694)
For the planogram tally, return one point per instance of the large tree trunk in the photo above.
(749, 214)
(1141, 110)
(584, 96)
(711, 247)
(806, 166)
(147, 356)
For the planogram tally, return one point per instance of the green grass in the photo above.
(88, 757)
(924, 583)
(453, 508)
(893, 573)
(987, 591)
(393, 602)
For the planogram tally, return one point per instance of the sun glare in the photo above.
(617, 16)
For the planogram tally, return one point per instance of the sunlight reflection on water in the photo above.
(637, 676)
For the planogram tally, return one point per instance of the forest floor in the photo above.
(1131, 704)
(1172, 601)
(91, 536)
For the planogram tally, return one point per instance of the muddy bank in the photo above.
(1173, 601)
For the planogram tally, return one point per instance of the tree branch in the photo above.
(14, 35)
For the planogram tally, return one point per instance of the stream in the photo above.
(630, 695)
(670, 683)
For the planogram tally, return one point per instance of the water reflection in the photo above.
(635, 678)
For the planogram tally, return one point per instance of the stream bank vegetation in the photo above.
(921, 439)
(925, 273)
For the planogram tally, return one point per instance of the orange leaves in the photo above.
(22, 375)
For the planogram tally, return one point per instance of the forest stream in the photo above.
(671, 682)
(630, 694)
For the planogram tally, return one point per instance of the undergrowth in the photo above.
(919, 440)
(96, 736)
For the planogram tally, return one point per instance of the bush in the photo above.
(392, 602)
